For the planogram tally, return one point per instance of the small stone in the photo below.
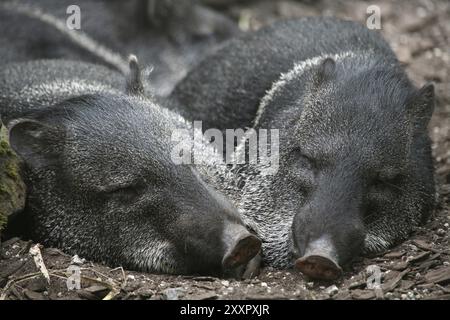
(446, 263)
(131, 277)
(173, 293)
(404, 296)
(205, 296)
(446, 225)
(77, 260)
(418, 276)
(332, 290)
(310, 285)
(440, 232)
(263, 284)
(225, 283)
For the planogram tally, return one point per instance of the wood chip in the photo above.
(399, 266)
(202, 278)
(99, 291)
(35, 252)
(264, 297)
(342, 295)
(357, 285)
(442, 297)
(420, 256)
(203, 286)
(441, 275)
(363, 294)
(204, 296)
(394, 254)
(32, 295)
(415, 25)
(389, 286)
(87, 295)
(406, 284)
(424, 246)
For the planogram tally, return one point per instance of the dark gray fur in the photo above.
(101, 182)
(111, 30)
(355, 158)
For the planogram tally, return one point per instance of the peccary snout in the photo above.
(323, 257)
(209, 235)
(241, 246)
(320, 260)
(328, 232)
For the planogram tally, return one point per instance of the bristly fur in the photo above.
(100, 176)
(355, 159)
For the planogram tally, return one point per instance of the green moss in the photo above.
(12, 171)
(12, 189)
(3, 220)
(4, 148)
(4, 189)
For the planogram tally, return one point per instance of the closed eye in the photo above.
(303, 161)
(125, 191)
(387, 180)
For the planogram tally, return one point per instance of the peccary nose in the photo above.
(240, 246)
(320, 261)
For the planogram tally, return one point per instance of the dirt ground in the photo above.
(419, 268)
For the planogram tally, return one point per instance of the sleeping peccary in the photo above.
(100, 179)
(355, 173)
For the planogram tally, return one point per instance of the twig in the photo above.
(17, 280)
(39, 261)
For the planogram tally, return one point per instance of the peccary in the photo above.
(110, 30)
(100, 179)
(356, 172)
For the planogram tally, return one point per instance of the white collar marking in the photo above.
(298, 69)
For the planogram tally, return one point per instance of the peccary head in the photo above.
(355, 161)
(102, 184)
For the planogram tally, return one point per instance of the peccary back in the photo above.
(225, 89)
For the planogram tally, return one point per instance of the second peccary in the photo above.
(355, 173)
(100, 179)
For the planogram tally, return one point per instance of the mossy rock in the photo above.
(12, 188)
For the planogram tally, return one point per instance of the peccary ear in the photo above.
(35, 142)
(134, 80)
(422, 106)
(326, 70)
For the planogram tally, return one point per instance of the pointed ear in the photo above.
(422, 106)
(135, 86)
(35, 142)
(326, 71)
